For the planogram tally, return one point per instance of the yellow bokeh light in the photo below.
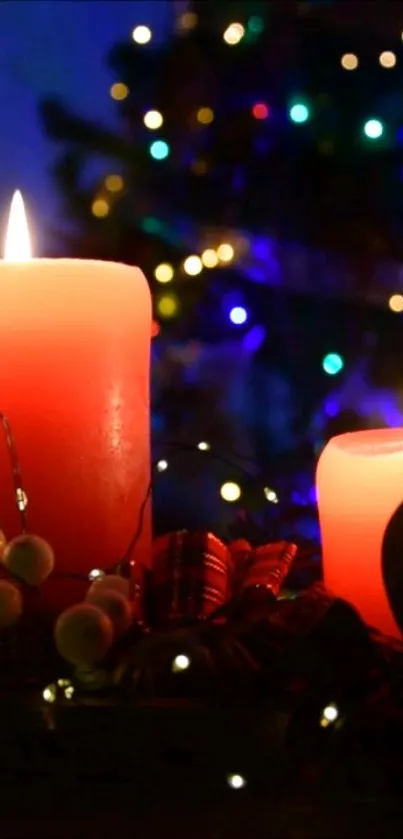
(349, 61)
(164, 273)
(188, 21)
(167, 306)
(153, 120)
(230, 491)
(193, 265)
(396, 303)
(234, 33)
(225, 252)
(114, 183)
(205, 115)
(209, 258)
(142, 34)
(100, 208)
(387, 59)
(119, 91)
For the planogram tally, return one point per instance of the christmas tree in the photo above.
(254, 172)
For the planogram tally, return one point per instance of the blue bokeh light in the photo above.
(373, 129)
(238, 315)
(332, 363)
(299, 112)
(159, 150)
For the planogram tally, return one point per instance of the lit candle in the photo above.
(360, 495)
(74, 386)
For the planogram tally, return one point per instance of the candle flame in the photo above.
(18, 245)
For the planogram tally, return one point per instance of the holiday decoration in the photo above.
(10, 604)
(83, 634)
(191, 576)
(76, 396)
(267, 569)
(360, 499)
(29, 558)
(115, 605)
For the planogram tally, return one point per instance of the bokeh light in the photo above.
(114, 183)
(236, 781)
(164, 273)
(238, 315)
(373, 129)
(230, 491)
(205, 115)
(349, 61)
(209, 258)
(119, 91)
(260, 110)
(159, 150)
(168, 306)
(153, 120)
(234, 33)
(188, 21)
(332, 363)
(100, 208)
(142, 34)
(299, 112)
(387, 59)
(193, 265)
(225, 252)
(396, 303)
(255, 25)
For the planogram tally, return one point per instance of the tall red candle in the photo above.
(74, 385)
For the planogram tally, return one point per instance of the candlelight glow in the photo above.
(17, 247)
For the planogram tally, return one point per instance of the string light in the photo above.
(100, 208)
(153, 120)
(188, 21)
(21, 499)
(234, 34)
(205, 115)
(329, 715)
(96, 574)
(373, 129)
(193, 266)
(230, 491)
(209, 258)
(225, 252)
(260, 110)
(349, 61)
(162, 466)
(270, 495)
(168, 306)
(332, 363)
(50, 693)
(159, 150)
(164, 273)
(180, 663)
(203, 446)
(142, 35)
(396, 303)
(236, 781)
(119, 91)
(299, 113)
(387, 59)
(114, 183)
(238, 315)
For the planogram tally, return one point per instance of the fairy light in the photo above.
(100, 208)
(270, 495)
(142, 35)
(193, 265)
(205, 115)
(119, 91)
(96, 573)
(162, 466)
(209, 258)
(114, 183)
(164, 273)
(349, 61)
(329, 715)
(236, 781)
(168, 306)
(49, 693)
(69, 692)
(153, 120)
(396, 303)
(180, 663)
(234, 34)
(203, 446)
(387, 59)
(225, 252)
(21, 499)
(187, 21)
(230, 492)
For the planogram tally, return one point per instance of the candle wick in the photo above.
(20, 496)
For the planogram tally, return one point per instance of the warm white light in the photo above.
(164, 273)
(162, 465)
(203, 446)
(69, 692)
(193, 265)
(349, 61)
(329, 715)
(230, 491)
(396, 303)
(17, 247)
(142, 34)
(387, 59)
(234, 33)
(49, 694)
(180, 662)
(153, 120)
(209, 258)
(96, 573)
(225, 252)
(271, 495)
(236, 781)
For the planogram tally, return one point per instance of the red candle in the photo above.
(360, 493)
(74, 385)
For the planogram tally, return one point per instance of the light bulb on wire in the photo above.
(142, 35)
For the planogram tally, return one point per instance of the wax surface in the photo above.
(74, 384)
(360, 486)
